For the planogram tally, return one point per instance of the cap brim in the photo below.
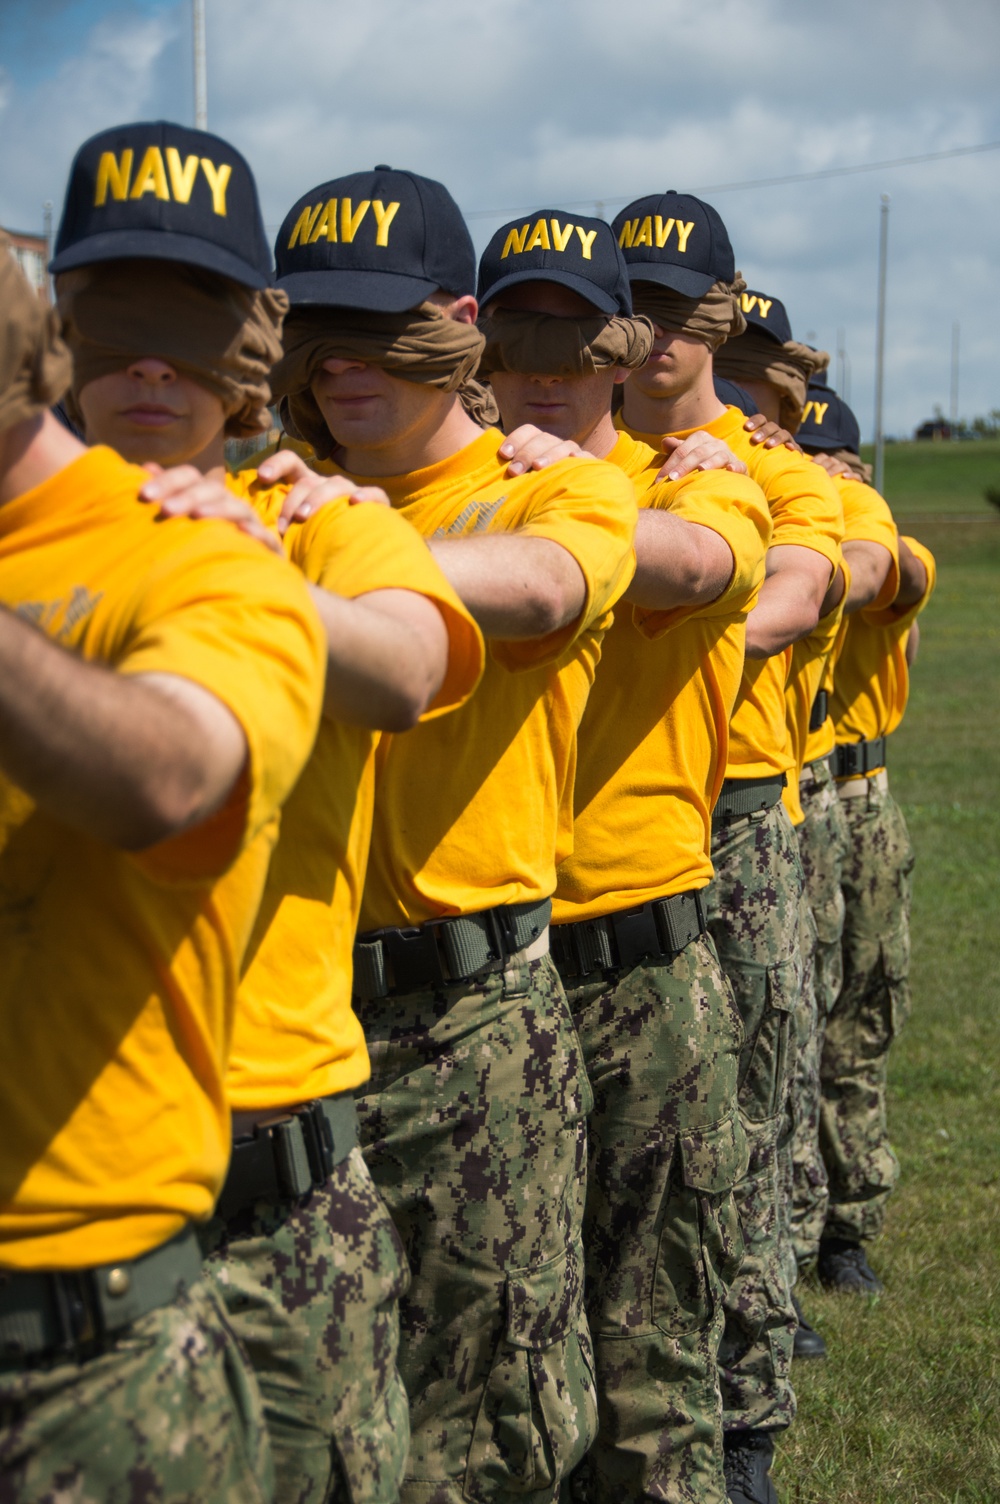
(681, 279)
(375, 292)
(601, 300)
(157, 245)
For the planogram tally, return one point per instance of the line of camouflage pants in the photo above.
(754, 914)
(661, 1233)
(474, 1128)
(169, 1411)
(824, 841)
(873, 1005)
(312, 1291)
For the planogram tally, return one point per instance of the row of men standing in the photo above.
(590, 786)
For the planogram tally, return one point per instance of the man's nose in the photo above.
(152, 371)
(336, 367)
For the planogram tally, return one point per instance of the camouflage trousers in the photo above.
(474, 1128)
(168, 1413)
(661, 1232)
(754, 914)
(312, 1292)
(873, 1005)
(823, 845)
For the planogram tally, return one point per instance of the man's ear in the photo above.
(621, 376)
(464, 310)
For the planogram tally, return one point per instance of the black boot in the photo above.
(746, 1461)
(808, 1342)
(842, 1266)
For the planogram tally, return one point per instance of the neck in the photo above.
(602, 438)
(33, 452)
(423, 445)
(694, 407)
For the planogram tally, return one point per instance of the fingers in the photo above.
(173, 482)
(313, 491)
(757, 421)
(285, 465)
(700, 451)
(529, 448)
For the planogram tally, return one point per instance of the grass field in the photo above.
(907, 1408)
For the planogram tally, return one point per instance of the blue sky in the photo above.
(529, 103)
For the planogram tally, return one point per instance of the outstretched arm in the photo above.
(515, 587)
(678, 563)
(791, 598)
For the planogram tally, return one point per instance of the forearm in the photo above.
(869, 564)
(678, 563)
(912, 579)
(784, 614)
(383, 671)
(515, 587)
(120, 758)
(913, 644)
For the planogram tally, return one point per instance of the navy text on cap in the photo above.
(677, 240)
(766, 314)
(382, 240)
(550, 246)
(158, 191)
(827, 423)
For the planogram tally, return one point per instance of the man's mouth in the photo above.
(151, 415)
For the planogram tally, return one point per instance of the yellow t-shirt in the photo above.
(654, 736)
(296, 1036)
(119, 970)
(805, 510)
(475, 809)
(871, 680)
(867, 519)
(811, 661)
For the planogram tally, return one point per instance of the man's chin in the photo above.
(152, 448)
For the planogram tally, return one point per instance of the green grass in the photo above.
(907, 1408)
(931, 479)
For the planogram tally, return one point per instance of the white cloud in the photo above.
(524, 103)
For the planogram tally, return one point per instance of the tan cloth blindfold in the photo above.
(713, 318)
(541, 344)
(223, 336)
(422, 345)
(35, 366)
(788, 367)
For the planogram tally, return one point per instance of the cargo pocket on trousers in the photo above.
(700, 1247)
(765, 1078)
(895, 955)
(538, 1414)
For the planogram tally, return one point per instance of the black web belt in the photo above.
(854, 758)
(747, 796)
(820, 710)
(656, 930)
(74, 1313)
(286, 1160)
(394, 962)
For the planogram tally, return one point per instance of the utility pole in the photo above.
(883, 247)
(599, 209)
(953, 408)
(200, 68)
(47, 232)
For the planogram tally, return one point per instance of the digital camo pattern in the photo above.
(474, 1127)
(313, 1294)
(823, 845)
(754, 914)
(661, 1233)
(873, 1006)
(168, 1414)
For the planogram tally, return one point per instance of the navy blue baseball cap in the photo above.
(675, 239)
(766, 314)
(158, 191)
(735, 396)
(381, 240)
(827, 422)
(550, 246)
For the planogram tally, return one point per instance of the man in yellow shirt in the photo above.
(161, 686)
(474, 1124)
(301, 1248)
(871, 568)
(684, 278)
(655, 1015)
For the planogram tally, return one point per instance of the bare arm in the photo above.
(515, 587)
(127, 760)
(796, 582)
(678, 563)
(870, 564)
(912, 578)
(387, 655)
(913, 645)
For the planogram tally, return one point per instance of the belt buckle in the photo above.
(318, 1136)
(77, 1310)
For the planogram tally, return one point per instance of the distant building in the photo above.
(934, 428)
(32, 255)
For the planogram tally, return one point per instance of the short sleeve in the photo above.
(805, 504)
(889, 616)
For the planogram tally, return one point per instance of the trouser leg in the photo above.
(474, 1128)
(313, 1292)
(168, 1411)
(754, 916)
(873, 1005)
(823, 844)
(661, 1233)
